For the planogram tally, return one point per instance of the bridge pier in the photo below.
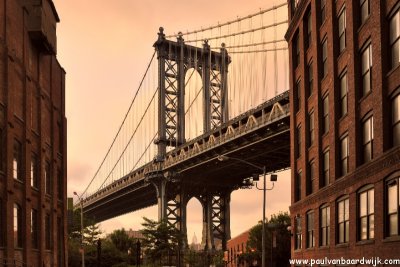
(216, 220)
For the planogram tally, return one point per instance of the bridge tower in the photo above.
(175, 58)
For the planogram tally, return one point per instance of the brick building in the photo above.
(235, 247)
(345, 90)
(32, 136)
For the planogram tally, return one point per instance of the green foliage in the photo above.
(122, 241)
(277, 225)
(218, 259)
(161, 241)
(91, 234)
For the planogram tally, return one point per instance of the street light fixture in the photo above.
(83, 251)
(273, 179)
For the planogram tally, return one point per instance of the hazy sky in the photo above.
(104, 47)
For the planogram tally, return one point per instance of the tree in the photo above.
(276, 226)
(121, 240)
(91, 234)
(161, 240)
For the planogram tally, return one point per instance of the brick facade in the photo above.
(235, 247)
(32, 136)
(309, 195)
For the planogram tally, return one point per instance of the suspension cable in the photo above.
(231, 21)
(257, 51)
(253, 44)
(120, 127)
(239, 33)
(130, 139)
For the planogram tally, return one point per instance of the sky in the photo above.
(104, 46)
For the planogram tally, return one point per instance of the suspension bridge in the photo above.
(218, 90)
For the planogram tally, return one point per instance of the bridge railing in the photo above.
(269, 112)
(266, 113)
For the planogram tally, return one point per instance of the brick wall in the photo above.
(385, 80)
(32, 103)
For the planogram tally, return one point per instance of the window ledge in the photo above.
(343, 117)
(393, 70)
(18, 181)
(364, 23)
(395, 238)
(365, 96)
(365, 242)
(34, 188)
(341, 53)
(343, 245)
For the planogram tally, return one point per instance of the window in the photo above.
(343, 95)
(368, 137)
(323, 11)
(298, 235)
(34, 171)
(309, 29)
(324, 214)
(342, 30)
(298, 130)
(34, 228)
(298, 94)
(298, 186)
(47, 228)
(324, 57)
(310, 230)
(17, 226)
(17, 161)
(325, 177)
(366, 214)
(395, 38)
(310, 79)
(366, 66)
(343, 221)
(364, 10)
(311, 177)
(396, 120)
(311, 128)
(325, 113)
(344, 155)
(47, 178)
(296, 53)
(393, 207)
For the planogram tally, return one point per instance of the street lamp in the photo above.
(83, 251)
(264, 189)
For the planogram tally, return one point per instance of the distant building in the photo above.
(195, 245)
(235, 247)
(33, 159)
(134, 234)
(345, 128)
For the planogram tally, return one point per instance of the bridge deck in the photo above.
(260, 136)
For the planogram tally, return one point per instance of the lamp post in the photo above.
(264, 189)
(83, 251)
